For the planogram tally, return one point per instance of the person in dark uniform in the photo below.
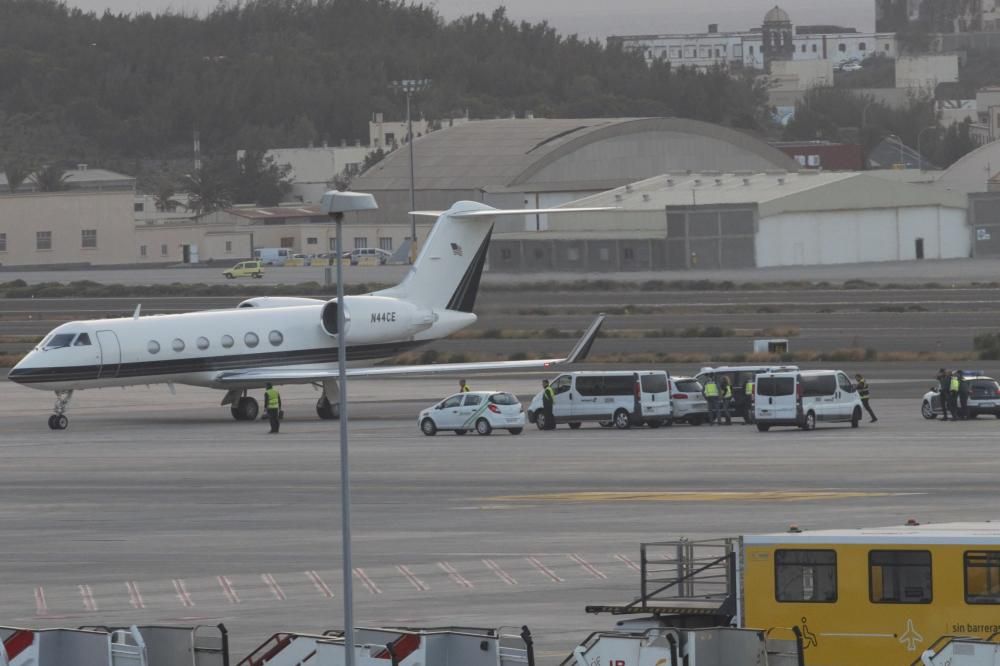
(963, 395)
(548, 402)
(954, 384)
(272, 403)
(865, 394)
(944, 391)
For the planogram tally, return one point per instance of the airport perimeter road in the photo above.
(159, 508)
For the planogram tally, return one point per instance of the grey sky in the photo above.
(599, 18)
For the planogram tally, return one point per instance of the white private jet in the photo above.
(282, 340)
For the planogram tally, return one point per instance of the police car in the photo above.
(984, 397)
(482, 411)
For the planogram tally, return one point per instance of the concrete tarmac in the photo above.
(160, 508)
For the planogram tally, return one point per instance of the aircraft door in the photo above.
(111, 354)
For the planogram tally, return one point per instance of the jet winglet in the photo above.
(586, 341)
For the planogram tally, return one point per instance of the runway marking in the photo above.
(501, 574)
(228, 589)
(276, 590)
(89, 603)
(412, 577)
(182, 593)
(366, 581)
(455, 576)
(41, 607)
(587, 566)
(134, 596)
(319, 584)
(701, 496)
(537, 563)
(627, 562)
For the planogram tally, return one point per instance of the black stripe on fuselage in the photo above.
(208, 363)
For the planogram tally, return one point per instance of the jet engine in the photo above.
(372, 319)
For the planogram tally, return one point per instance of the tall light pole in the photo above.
(920, 153)
(409, 87)
(335, 204)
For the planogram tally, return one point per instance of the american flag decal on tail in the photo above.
(456, 249)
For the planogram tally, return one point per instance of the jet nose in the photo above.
(20, 369)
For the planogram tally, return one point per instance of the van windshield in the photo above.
(775, 386)
(654, 383)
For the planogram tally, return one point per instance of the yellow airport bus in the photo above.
(853, 597)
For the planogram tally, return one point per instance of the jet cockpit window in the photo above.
(83, 340)
(59, 340)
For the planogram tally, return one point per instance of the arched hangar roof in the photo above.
(567, 154)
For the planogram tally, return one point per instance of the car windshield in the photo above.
(503, 399)
(59, 340)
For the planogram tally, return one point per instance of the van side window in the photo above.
(900, 576)
(654, 383)
(561, 384)
(618, 385)
(818, 385)
(775, 386)
(982, 577)
(805, 576)
(589, 386)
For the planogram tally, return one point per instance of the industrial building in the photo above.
(746, 220)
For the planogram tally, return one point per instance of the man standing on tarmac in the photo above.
(462, 386)
(954, 384)
(727, 400)
(712, 397)
(748, 400)
(864, 393)
(272, 403)
(548, 401)
(944, 391)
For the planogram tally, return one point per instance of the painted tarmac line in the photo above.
(41, 607)
(455, 576)
(366, 581)
(319, 583)
(276, 590)
(587, 566)
(627, 562)
(535, 562)
(89, 603)
(134, 596)
(412, 577)
(228, 590)
(501, 574)
(182, 593)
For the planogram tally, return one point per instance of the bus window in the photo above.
(805, 576)
(982, 577)
(900, 576)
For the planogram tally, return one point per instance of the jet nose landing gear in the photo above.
(58, 421)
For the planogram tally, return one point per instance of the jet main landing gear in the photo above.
(245, 409)
(58, 420)
(327, 410)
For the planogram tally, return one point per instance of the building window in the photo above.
(842, 48)
(163, 250)
(251, 340)
(177, 345)
(704, 52)
(572, 254)
(153, 347)
(690, 52)
(202, 343)
(312, 241)
(900, 576)
(275, 338)
(604, 254)
(805, 575)
(360, 242)
(287, 241)
(390, 138)
(676, 53)
(982, 577)
(803, 48)
(628, 254)
(862, 46)
(385, 243)
(750, 49)
(3, 242)
(229, 246)
(142, 250)
(138, 207)
(227, 341)
(885, 48)
(43, 240)
(815, 49)
(88, 238)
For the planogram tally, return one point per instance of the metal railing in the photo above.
(685, 569)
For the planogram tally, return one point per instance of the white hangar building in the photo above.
(745, 220)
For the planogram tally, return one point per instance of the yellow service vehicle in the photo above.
(852, 597)
(254, 269)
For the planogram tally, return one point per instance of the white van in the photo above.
(273, 256)
(804, 398)
(620, 398)
(738, 376)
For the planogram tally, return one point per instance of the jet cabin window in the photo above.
(982, 577)
(900, 576)
(82, 341)
(805, 576)
(59, 341)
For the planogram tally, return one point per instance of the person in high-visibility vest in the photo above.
(748, 400)
(712, 396)
(272, 403)
(462, 386)
(548, 402)
(953, 386)
(864, 393)
(727, 400)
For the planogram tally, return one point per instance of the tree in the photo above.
(260, 180)
(208, 189)
(16, 172)
(163, 198)
(51, 178)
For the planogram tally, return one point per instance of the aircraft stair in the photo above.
(962, 651)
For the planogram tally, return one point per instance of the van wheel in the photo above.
(763, 427)
(483, 427)
(541, 421)
(928, 412)
(622, 420)
(575, 425)
(428, 427)
(810, 421)
(856, 417)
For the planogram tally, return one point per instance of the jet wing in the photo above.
(292, 375)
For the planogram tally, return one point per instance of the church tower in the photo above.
(777, 35)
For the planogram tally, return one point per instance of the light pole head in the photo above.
(336, 202)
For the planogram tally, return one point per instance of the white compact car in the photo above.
(482, 411)
(688, 400)
(805, 398)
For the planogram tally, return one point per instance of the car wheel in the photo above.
(856, 417)
(763, 427)
(428, 427)
(461, 432)
(575, 425)
(622, 420)
(654, 424)
(229, 276)
(810, 421)
(928, 412)
(483, 427)
(515, 431)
